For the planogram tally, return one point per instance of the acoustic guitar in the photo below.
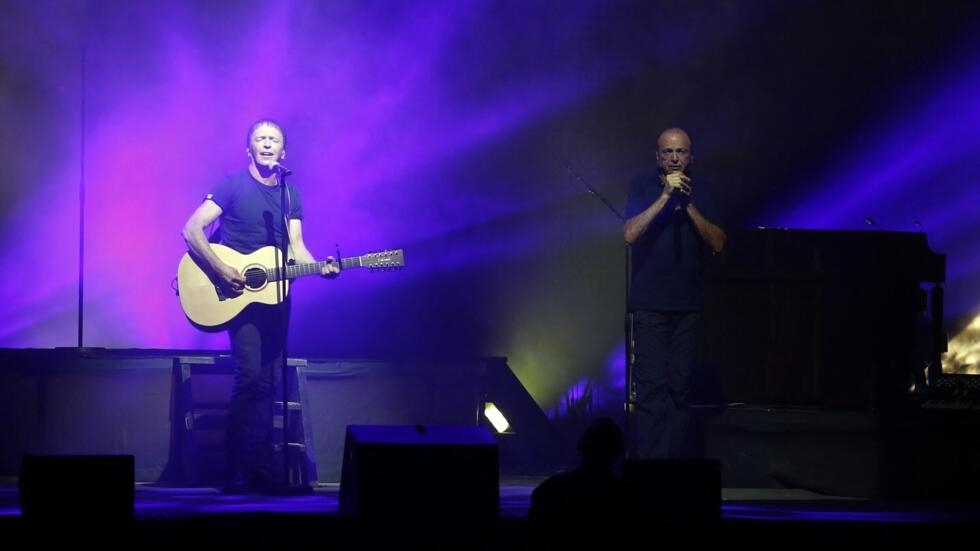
(209, 305)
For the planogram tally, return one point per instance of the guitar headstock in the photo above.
(384, 260)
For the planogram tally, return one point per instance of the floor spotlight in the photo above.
(496, 418)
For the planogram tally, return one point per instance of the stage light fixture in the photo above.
(496, 418)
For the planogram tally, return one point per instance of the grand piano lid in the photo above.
(800, 253)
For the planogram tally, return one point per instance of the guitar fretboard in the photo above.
(314, 268)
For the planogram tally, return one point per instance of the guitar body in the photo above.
(208, 304)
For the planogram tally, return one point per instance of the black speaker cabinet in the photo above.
(675, 490)
(413, 471)
(77, 486)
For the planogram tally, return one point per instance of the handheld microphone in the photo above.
(280, 169)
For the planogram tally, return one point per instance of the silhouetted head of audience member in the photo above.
(601, 444)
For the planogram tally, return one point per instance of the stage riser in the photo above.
(55, 402)
(59, 402)
(912, 454)
(92, 406)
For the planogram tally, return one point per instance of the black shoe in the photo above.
(258, 484)
(288, 491)
(233, 489)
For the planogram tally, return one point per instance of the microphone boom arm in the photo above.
(594, 192)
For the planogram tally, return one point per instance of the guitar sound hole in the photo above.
(254, 278)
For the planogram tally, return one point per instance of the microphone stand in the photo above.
(282, 291)
(628, 319)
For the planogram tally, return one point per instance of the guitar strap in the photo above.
(290, 256)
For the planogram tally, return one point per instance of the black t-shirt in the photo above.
(251, 212)
(668, 260)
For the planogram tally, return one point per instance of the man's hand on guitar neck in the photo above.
(331, 268)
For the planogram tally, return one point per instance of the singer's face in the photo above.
(674, 151)
(266, 144)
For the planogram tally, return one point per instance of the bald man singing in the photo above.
(672, 225)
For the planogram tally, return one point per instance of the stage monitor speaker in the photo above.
(404, 472)
(675, 490)
(94, 487)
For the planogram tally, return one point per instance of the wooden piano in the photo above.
(828, 319)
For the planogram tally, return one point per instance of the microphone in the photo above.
(871, 222)
(283, 171)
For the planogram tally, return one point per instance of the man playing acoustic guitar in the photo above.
(249, 205)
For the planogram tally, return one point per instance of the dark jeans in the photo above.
(664, 345)
(258, 346)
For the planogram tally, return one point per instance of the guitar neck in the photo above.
(294, 271)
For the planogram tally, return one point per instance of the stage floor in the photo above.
(175, 517)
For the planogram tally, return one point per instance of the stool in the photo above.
(200, 399)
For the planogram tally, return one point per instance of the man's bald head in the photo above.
(674, 132)
(674, 150)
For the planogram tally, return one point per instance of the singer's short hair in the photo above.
(262, 122)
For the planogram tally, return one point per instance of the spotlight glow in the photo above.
(496, 417)
(963, 354)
